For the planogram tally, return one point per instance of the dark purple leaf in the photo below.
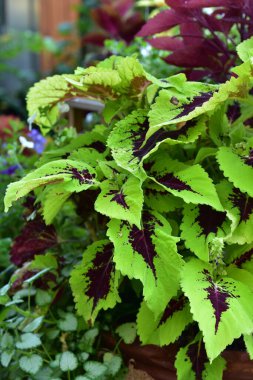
(200, 3)
(209, 219)
(99, 274)
(160, 23)
(35, 238)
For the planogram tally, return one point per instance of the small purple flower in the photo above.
(38, 139)
(10, 170)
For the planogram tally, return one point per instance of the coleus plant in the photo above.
(166, 182)
(117, 19)
(201, 35)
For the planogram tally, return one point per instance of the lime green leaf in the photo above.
(68, 361)
(158, 199)
(248, 340)
(150, 255)
(195, 99)
(52, 199)
(231, 164)
(44, 97)
(126, 140)
(31, 364)
(127, 332)
(225, 311)
(201, 224)
(240, 256)
(240, 208)
(94, 282)
(245, 49)
(168, 326)
(191, 183)
(171, 103)
(73, 175)
(48, 260)
(121, 198)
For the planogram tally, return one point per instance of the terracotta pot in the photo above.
(158, 362)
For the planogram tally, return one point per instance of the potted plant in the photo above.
(164, 187)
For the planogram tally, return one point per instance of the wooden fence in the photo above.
(51, 14)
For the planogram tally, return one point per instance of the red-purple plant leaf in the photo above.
(35, 238)
(161, 22)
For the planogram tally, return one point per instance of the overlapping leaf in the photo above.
(201, 224)
(240, 256)
(158, 199)
(130, 145)
(225, 311)
(168, 326)
(191, 183)
(240, 207)
(74, 176)
(150, 255)
(43, 99)
(192, 363)
(195, 100)
(94, 281)
(121, 198)
(232, 163)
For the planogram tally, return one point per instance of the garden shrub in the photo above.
(165, 187)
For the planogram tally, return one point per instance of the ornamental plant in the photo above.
(201, 35)
(164, 187)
